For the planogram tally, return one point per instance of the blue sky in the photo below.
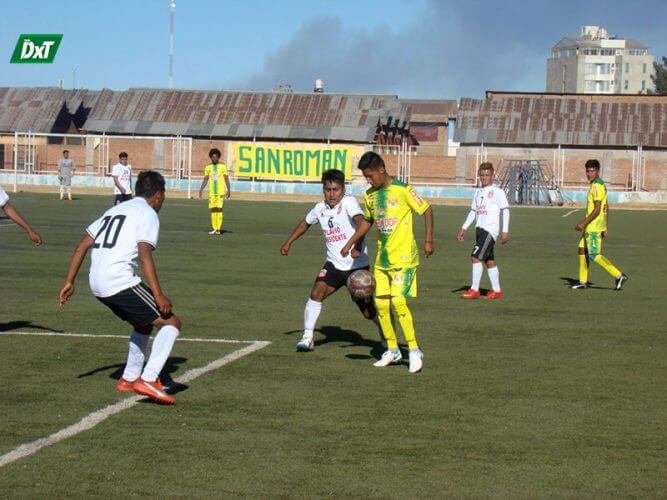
(420, 49)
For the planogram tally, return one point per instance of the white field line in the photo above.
(571, 212)
(126, 337)
(92, 419)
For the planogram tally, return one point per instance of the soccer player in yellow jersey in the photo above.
(389, 204)
(594, 229)
(214, 175)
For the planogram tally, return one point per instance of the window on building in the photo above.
(589, 85)
(644, 68)
(643, 84)
(607, 52)
(3, 161)
(627, 67)
(625, 85)
(590, 69)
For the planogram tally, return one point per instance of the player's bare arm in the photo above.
(300, 229)
(428, 232)
(14, 215)
(74, 265)
(228, 194)
(362, 230)
(118, 184)
(204, 181)
(462, 234)
(597, 206)
(150, 275)
(355, 252)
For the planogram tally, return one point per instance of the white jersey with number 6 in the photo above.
(338, 226)
(115, 253)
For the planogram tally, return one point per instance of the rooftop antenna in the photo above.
(172, 7)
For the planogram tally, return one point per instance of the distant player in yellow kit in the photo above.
(214, 175)
(389, 204)
(594, 229)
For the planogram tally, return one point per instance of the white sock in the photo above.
(135, 356)
(162, 345)
(62, 190)
(494, 277)
(477, 270)
(69, 191)
(310, 315)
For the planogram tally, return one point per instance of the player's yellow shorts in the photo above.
(592, 242)
(216, 201)
(396, 282)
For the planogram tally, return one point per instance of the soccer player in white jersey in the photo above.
(122, 179)
(487, 204)
(338, 216)
(122, 238)
(14, 215)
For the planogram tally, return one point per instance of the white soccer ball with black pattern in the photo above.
(361, 285)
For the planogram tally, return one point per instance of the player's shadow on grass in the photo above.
(171, 366)
(336, 334)
(482, 291)
(17, 325)
(570, 282)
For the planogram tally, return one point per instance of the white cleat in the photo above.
(389, 357)
(416, 358)
(305, 344)
(214, 232)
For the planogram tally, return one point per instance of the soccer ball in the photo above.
(361, 285)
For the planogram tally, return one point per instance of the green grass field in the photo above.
(548, 393)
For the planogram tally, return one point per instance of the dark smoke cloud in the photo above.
(449, 49)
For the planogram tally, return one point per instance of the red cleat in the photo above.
(125, 385)
(153, 390)
(494, 295)
(470, 294)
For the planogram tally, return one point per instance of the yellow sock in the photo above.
(583, 268)
(400, 307)
(213, 219)
(605, 264)
(384, 317)
(222, 218)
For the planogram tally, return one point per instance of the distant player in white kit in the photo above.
(338, 216)
(487, 204)
(122, 238)
(122, 179)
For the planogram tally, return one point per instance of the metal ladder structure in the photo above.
(529, 182)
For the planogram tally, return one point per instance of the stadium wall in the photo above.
(435, 193)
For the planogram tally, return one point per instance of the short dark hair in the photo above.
(66, 151)
(148, 183)
(122, 154)
(487, 165)
(333, 175)
(372, 160)
(593, 164)
(214, 151)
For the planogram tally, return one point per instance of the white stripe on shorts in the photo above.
(152, 305)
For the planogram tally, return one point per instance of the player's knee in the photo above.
(174, 321)
(581, 251)
(382, 305)
(400, 305)
(368, 310)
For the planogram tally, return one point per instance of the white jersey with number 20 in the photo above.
(115, 253)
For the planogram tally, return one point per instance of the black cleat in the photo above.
(620, 281)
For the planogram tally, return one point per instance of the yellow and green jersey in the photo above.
(597, 192)
(216, 173)
(391, 208)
